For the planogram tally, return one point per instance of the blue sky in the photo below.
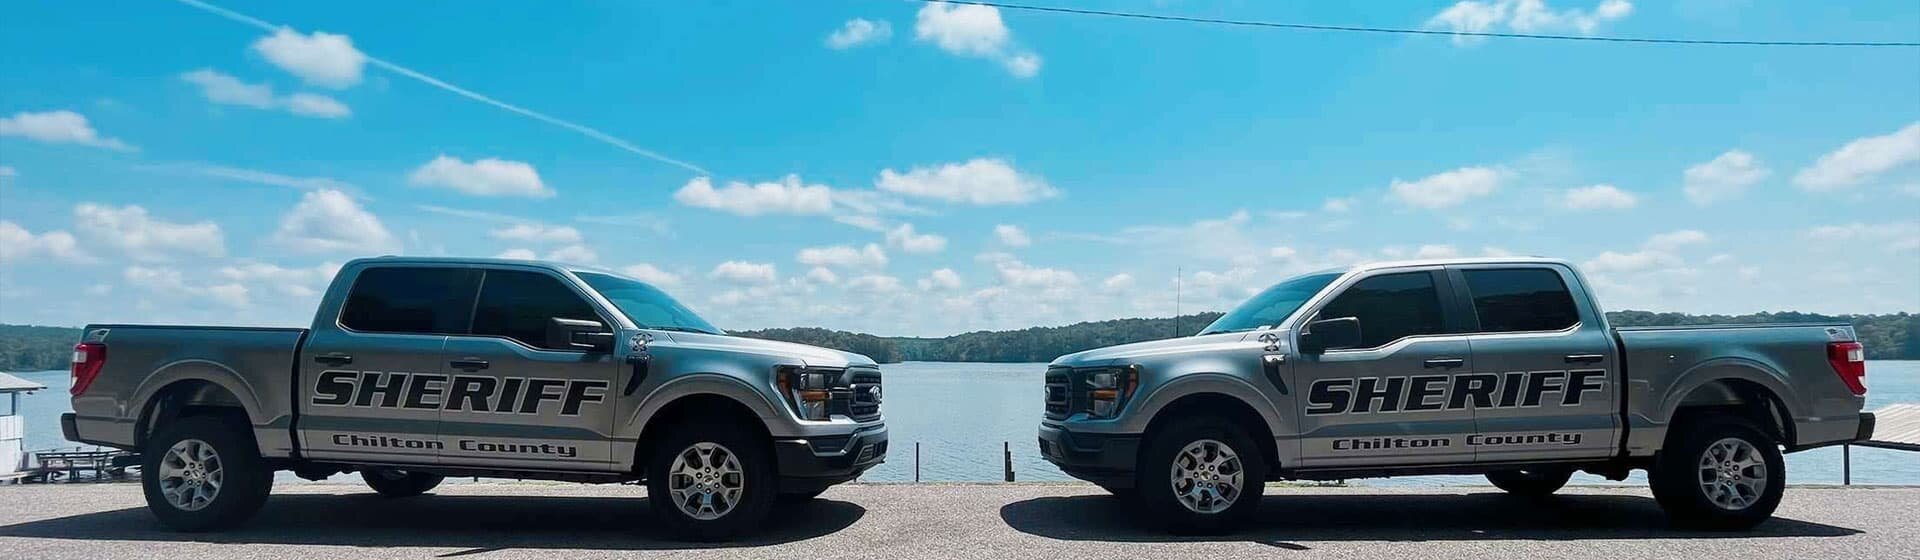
(902, 168)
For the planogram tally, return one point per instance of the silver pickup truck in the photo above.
(1501, 367)
(416, 369)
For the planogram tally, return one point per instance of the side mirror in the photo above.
(580, 335)
(1330, 334)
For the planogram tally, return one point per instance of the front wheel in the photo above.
(203, 473)
(1720, 473)
(1532, 483)
(395, 483)
(710, 481)
(1201, 476)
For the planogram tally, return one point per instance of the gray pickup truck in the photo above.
(415, 369)
(1501, 367)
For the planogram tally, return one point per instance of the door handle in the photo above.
(468, 365)
(1585, 358)
(334, 359)
(1448, 363)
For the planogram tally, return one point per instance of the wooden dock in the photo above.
(1895, 427)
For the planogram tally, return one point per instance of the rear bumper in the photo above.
(1105, 459)
(817, 462)
(1866, 427)
(68, 429)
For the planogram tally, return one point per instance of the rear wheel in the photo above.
(711, 483)
(203, 473)
(1533, 483)
(395, 483)
(1201, 476)
(1719, 472)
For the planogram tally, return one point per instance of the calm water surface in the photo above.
(961, 414)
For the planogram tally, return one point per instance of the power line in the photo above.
(1404, 31)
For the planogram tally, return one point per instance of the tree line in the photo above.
(1893, 336)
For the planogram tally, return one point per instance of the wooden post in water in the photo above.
(1846, 464)
(1006, 454)
(916, 462)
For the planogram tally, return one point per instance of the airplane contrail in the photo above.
(588, 131)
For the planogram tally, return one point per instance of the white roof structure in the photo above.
(11, 384)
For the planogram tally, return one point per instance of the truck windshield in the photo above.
(646, 305)
(1273, 305)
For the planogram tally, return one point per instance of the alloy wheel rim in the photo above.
(706, 481)
(1733, 474)
(191, 475)
(1207, 476)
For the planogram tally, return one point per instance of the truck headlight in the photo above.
(1108, 389)
(808, 391)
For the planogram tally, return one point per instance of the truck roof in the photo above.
(1457, 260)
(399, 259)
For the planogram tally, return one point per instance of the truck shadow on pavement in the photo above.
(476, 524)
(1287, 520)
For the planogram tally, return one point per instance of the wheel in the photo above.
(800, 497)
(1533, 483)
(710, 483)
(1719, 473)
(395, 483)
(1201, 476)
(203, 473)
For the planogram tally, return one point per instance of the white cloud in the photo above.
(1283, 253)
(483, 177)
(857, 32)
(18, 244)
(1051, 283)
(904, 238)
(328, 220)
(1012, 235)
(974, 31)
(170, 282)
(1638, 261)
(1117, 282)
(1436, 252)
(58, 127)
(1674, 240)
(823, 275)
(981, 181)
(870, 256)
(228, 90)
(788, 196)
(941, 279)
(1448, 188)
(744, 272)
(321, 58)
(650, 274)
(1862, 160)
(256, 176)
(294, 282)
(1599, 197)
(874, 283)
(1895, 236)
(537, 233)
(578, 254)
(8, 171)
(1723, 178)
(1524, 16)
(518, 253)
(1338, 205)
(131, 230)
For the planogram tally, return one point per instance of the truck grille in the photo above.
(860, 398)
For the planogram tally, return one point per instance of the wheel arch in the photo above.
(1233, 408)
(694, 407)
(185, 397)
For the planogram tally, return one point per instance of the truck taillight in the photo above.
(1849, 361)
(88, 359)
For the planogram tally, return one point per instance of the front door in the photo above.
(1384, 402)
(365, 377)
(1555, 362)
(517, 398)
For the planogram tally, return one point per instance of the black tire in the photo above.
(1677, 475)
(1531, 483)
(245, 479)
(1155, 485)
(756, 467)
(396, 483)
(800, 497)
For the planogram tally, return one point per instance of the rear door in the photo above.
(369, 376)
(1383, 403)
(1554, 360)
(517, 399)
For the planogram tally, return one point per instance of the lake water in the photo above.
(961, 414)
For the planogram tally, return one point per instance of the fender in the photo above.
(1727, 368)
(200, 370)
(701, 384)
(1145, 409)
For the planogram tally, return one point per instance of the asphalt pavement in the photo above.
(935, 521)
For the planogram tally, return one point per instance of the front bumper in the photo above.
(1105, 459)
(816, 462)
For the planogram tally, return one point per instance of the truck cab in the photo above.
(1502, 367)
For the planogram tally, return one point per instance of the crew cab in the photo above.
(415, 369)
(1501, 367)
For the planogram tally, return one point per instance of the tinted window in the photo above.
(1390, 306)
(519, 305)
(409, 300)
(1521, 299)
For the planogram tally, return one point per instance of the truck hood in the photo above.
(813, 356)
(1154, 348)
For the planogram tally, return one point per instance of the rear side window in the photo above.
(1390, 307)
(1521, 299)
(409, 300)
(519, 305)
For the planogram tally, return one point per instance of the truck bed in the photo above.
(143, 360)
(1667, 365)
